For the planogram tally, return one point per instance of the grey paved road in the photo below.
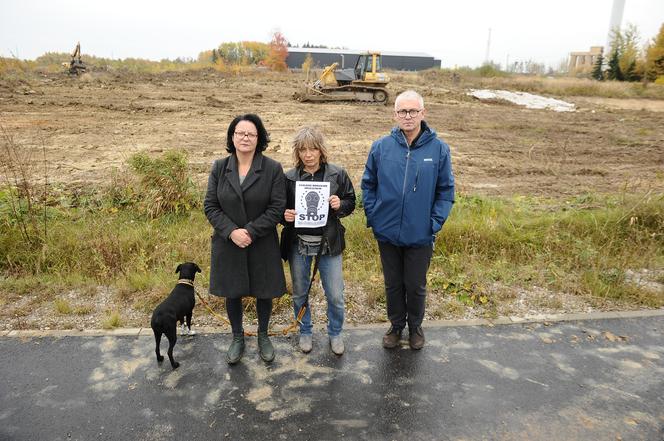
(582, 380)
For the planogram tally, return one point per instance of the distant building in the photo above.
(347, 58)
(583, 62)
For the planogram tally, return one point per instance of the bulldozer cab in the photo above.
(369, 68)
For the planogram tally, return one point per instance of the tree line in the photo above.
(628, 62)
(249, 53)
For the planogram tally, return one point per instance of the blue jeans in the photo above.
(330, 272)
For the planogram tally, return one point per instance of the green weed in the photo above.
(62, 306)
(112, 321)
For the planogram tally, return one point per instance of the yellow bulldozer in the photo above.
(364, 83)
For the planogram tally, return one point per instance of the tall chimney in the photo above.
(614, 25)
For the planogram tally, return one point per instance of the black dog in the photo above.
(177, 306)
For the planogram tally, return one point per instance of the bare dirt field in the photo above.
(90, 125)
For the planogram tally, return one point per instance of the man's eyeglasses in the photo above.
(410, 112)
(241, 135)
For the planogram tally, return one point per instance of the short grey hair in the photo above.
(409, 94)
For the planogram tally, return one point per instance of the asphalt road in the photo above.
(574, 380)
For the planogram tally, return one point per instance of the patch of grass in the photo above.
(83, 309)
(112, 321)
(165, 184)
(62, 306)
(451, 309)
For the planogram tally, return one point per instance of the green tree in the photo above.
(614, 72)
(630, 73)
(215, 57)
(629, 47)
(630, 63)
(598, 73)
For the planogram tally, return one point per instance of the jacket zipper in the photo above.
(417, 177)
(405, 179)
(405, 175)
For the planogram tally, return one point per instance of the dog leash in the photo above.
(287, 330)
(296, 321)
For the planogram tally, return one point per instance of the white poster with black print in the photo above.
(311, 204)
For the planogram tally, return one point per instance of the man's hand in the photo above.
(289, 215)
(241, 237)
(335, 202)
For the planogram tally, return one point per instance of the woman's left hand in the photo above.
(335, 202)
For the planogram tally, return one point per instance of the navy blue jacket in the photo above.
(408, 192)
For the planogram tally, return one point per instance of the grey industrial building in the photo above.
(347, 58)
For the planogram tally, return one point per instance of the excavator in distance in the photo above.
(76, 66)
(364, 83)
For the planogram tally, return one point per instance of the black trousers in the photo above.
(405, 273)
(234, 310)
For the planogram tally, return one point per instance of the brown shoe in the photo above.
(391, 338)
(416, 338)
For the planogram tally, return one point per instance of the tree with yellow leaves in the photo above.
(655, 58)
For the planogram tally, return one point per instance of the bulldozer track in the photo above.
(329, 95)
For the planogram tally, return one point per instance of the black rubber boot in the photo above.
(236, 349)
(265, 348)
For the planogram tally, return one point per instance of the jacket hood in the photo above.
(427, 134)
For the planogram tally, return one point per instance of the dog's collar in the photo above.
(186, 282)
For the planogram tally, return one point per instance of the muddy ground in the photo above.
(89, 125)
(86, 127)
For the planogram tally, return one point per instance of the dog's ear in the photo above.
(177, 270)
(198, 270)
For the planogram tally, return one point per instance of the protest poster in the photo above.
(311, 204)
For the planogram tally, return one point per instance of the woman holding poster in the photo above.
(318, 194)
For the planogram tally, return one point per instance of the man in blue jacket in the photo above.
(408, 192)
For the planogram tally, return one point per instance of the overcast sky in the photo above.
(455, 32)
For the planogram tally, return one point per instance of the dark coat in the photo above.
(258, 205)
(340, 185)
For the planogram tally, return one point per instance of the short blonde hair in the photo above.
(308, 137)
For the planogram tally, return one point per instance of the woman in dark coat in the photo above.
(245, 201)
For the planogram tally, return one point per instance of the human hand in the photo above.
(335, 202)
(289, 215)
(241, 237)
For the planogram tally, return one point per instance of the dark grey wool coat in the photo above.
(257, 205)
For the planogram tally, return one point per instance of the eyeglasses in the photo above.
(241, 135)
(411, 112)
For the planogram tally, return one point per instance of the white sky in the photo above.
(455, 32)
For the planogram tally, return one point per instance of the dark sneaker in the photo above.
(416, 338)
(235, 350)
(265, 348)
(391, 338)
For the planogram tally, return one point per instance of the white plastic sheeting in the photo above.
(523, 99)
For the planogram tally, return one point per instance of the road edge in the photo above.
(539, 318)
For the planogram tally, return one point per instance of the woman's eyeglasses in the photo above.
(241, 135)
